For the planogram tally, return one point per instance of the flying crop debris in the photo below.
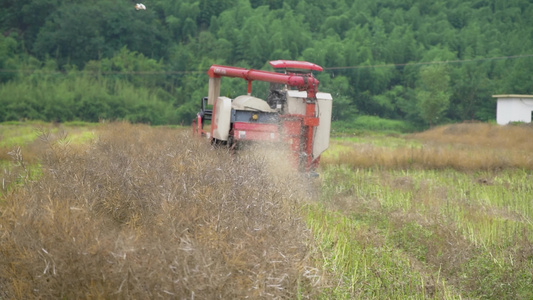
(140, 6)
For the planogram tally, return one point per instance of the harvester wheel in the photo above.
(232, 144)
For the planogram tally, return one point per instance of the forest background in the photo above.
(419, 61)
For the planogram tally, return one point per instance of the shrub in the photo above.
(373, 123)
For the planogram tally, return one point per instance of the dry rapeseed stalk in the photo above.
(150, 212)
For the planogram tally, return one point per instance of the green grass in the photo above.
(446, 213)
(426, 233)
(365, 263)
(362, 124)
(81, 124)
(18, 134)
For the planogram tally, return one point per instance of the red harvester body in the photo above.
(294, 112)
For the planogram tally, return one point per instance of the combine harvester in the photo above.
(294, 113)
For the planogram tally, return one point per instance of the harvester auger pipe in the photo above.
(302, 82)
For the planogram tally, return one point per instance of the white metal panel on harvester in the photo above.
(323, 110)
(222, 118)
(296, 102)
(214, 90)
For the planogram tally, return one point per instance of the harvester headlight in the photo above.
(255, 117)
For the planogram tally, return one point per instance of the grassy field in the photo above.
(131, 211)
(446, 213)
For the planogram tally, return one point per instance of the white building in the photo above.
(514, 108)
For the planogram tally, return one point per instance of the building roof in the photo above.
(512, 96)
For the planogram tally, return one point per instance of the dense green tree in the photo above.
(210, 9)
(433, 96)
(8, 50)
(137, 68)
(254, 42)
(470, 88)
(133, 59)
(71, 35)
(25, 17)
(339, 86)
(272, 4)
(77, 33)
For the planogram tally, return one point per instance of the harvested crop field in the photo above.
(146, 212)
(132, 211)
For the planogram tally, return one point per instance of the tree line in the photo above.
(426, 62)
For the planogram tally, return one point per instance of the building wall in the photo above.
(514, 109)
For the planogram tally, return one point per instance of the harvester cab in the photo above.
(294, 112)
